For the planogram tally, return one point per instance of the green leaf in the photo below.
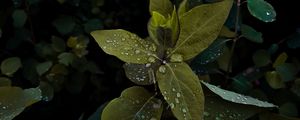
(164, 7)
(293, 41)
(141, 74)
(237, 98)
(43, 67)
(262, 10)
(64, 25)
(215, 50)
(66, 58)
(286, 71)
(289, 109)
(273, 49)
(135, 103)
(19, 18)
(14, 100)
(219, 109)
(5, 82)
(182, 90)
(226, 33)
(224, 59)
(44, 49)
(58, 44)
(92, 24)
(261, 58)
(251, 34)
(274, 80)
(125, 45)
(182, 8)
(10, 65)
(200, 26)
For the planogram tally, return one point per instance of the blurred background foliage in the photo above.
(46, 44)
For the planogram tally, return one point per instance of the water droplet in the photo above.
(184, 110)
(148, 65)
(123, 39)
(162, 69)
(173, 89)
(178, 94)
(268, 13)
(206, 114)
(137, 51)
(172, 105)
(176, 100)
(176, 58)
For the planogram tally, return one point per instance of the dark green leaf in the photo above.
(261, 58)
(274, 80)
(262, 10)
(92, 24)
(19, 16)
(135, 103)
(58, 44)
(64, 25)
(289, 109)
(273, 49)
(10, 65)
(287, 71)
(66, 58)
(251, 34)
(141, 74)
(43, 67)
(125, 45)
(182, 90)
(293, 41)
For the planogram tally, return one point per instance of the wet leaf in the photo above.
(66, 58)
(215, 50)
(10, 65)
(280, 59)
(135, 103)
(13, 100)
(182, 90)
(5, 82)
(261, 58)
(164, 7)
(237, 98)
(141, 74)
(287, 71)
(197, 34)
(218, 109)
(125, 45)
(262, 10)
(41, 68)
(251, 34)
(19, 18)
(58, 44)
(274, 80)
(64, 25)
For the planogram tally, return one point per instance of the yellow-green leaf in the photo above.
(10, 65)
(200, 26)
(280, 59)
(182, 90)
(164, 7)
(182, 8)
(125, 45)
(13, 100)
(226, 32)
(274, 80)
(135, 103)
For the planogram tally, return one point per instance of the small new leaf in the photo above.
(262, 10)
(182, 90)
(135, 103)
(164, 7)
(124, 45)
(200, 26)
